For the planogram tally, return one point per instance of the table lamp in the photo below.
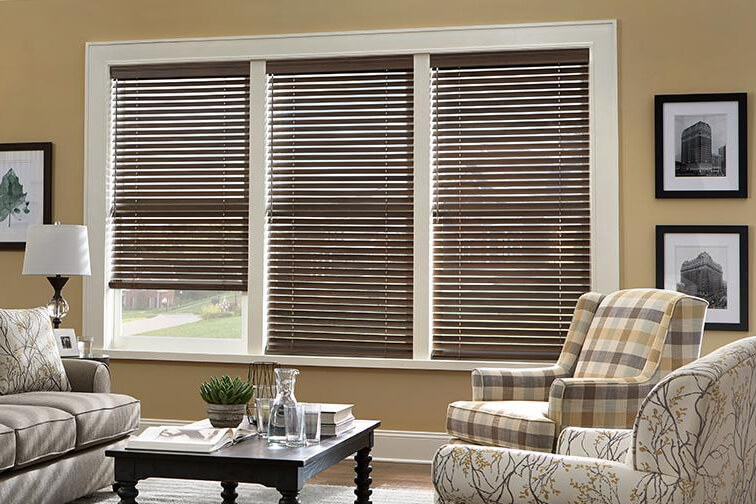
(57, 252)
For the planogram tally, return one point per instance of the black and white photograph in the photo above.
(700, 146)
(710, 262)
(68, 345)
(25, 190)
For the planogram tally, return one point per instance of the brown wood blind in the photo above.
(180, 183)
(511, 202)
(340, 218)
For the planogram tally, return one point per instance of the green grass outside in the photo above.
(195, 307)
(219, 328)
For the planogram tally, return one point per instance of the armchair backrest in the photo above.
(642, 332)
(699, 425)
(585, 310)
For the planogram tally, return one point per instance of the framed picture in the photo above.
(701, 146)
(710, 262)
(25, 190)
(68, 345)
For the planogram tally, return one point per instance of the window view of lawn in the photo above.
(181, 314)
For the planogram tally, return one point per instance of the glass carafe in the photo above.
(285, 380)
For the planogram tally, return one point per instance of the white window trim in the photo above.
(99, 308)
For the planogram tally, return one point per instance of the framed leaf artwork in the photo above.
(25, 190)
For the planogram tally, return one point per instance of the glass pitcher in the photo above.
(285, 380)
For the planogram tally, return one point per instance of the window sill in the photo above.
(291, 360)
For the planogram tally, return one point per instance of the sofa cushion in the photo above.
(29, 357)
(40, 432)
(509, 424)
(99, 417)
(7, 447)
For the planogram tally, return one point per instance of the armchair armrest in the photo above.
(483, 475)
(514, 384)
(87, 376)
(605, 444)
(598, 402)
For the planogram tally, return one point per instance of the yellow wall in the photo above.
(670, 46)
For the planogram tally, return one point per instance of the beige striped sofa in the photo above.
(52, 444)
(617, 348)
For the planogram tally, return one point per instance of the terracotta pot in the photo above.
(226, 415)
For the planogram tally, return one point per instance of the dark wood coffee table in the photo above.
(251, 461)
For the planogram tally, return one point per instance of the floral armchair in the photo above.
(693, 441)
(617, 348)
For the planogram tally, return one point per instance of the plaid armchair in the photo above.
(693, 441)
(617, 348)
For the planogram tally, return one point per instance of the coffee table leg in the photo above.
(289, 497)
(229, 492)
(363, 479)
(127, 491)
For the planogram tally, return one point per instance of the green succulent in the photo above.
(225, 390)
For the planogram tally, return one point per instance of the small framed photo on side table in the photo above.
(68, 346)
(701, 146)
(710, 262)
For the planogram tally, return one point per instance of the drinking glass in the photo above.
(295, 425)
(312, 423)
(263, 406)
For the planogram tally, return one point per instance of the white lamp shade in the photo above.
(57, 250)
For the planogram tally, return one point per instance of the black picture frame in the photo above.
(742, 232)
(741, 99)
(47, 149)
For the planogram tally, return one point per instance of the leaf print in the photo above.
(12, 197)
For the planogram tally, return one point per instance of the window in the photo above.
(511, 202)
(418, 199)
(340, 218)
(180, 185)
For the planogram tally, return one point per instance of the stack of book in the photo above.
(335, 419)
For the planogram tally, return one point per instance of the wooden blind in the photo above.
(511, 196)
(340, 221)
(180, 184)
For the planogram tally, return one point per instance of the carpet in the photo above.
(164, 491)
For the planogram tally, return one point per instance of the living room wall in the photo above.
(674, 46)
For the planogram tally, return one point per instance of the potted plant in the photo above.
(226, 400)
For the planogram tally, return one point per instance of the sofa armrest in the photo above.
(514, 384)
(597, 402)
(87, 376)
(604, 444)
(485, 474)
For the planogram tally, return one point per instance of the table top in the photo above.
(258, 449)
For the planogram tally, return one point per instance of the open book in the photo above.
(199, 437)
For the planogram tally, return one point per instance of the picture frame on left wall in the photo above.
(25, 190)
(710, 262)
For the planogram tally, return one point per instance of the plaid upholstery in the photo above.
(627, 333)
(532, 384)
(597, 402)
(618, 347)
(515, 424)
(669, 324)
